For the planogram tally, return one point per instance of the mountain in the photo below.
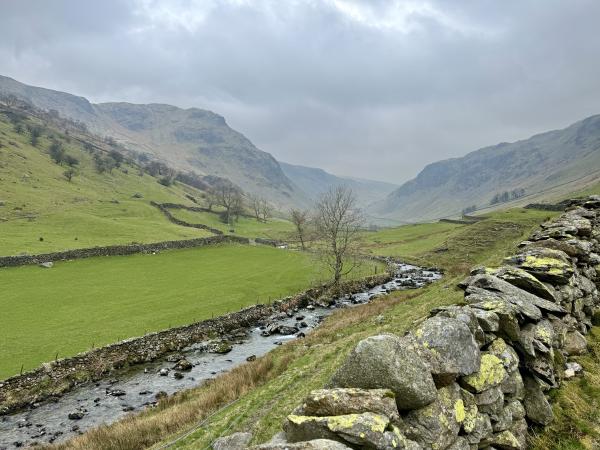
(315, 182)
(186, 139)
(552, 161)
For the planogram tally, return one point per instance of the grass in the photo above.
(299, 366)
(576, 407)
(103, 300)
(274, 228)
(43, 212)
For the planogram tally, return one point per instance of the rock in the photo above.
(536, 337)
(506, 441)
(164, 372)
(386, 362)
(513, 386)
(235, 441)
(503, 421)
(183, 365)
(519, 431)
(251, 358)
(316, 444)
(460, 444)
(47, 265)
(343, 401)
(524, 280)
(366, 429)
(528, 305)
(77, 415)
(222, 348)
(575, 343)
(437, 424)
(537, 407)
(448, 347)
(488, 320)
(506, 353)
(137, 195)
(178, 375)
(480, 429)
(575, 367)
(490, 402)
(117, 393)
(286, 331)
(516, 408)
(491, 373)
(545, 264)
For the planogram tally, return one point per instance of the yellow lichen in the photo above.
(491, 373)
(459, 411)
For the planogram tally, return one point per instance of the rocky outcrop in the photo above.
(474, 376)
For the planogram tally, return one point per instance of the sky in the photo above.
(365, 88)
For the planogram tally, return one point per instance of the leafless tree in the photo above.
(229, 197)
(211, 198)
(338, 223)
(260, 207)
(69, 173)
(301, 220)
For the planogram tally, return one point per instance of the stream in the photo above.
(93, 404)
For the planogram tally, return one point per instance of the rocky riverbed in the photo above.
(131, 391)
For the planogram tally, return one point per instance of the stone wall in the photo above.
(57, 377)
(164, 208)
(117, 250)
(475, 375)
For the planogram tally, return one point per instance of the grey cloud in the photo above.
(364, 88)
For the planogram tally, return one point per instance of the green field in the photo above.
(42, 212)
(274, 228)
(97, 301)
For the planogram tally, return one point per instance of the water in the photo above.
(109, 400)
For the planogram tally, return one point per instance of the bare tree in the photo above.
(338, 224)
(229, 197)
(211, 198)
(301, 219)
(69, 173)
(260, 207)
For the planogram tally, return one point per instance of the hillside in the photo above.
(186, 139)
(41, 211)
(315, 181)
(559, 161)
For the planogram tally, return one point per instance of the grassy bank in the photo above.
(96, 301)
(266, 390)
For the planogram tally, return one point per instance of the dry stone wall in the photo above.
(164, 208)
(475, 375)
(117, 250)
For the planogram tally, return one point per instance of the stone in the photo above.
(519, 431)
(183, 365)
(536, 337)
(437, 424)
(343, 401)
(178, 376)
(502, 421)
(490, 402)
(490, 373)
(545, 264)
(516, 408)
(459, 444)
(523, 280)
(235, 441)
(316, 444)
(366, 429)
(77, 415)
(575, 343)
(448, 347)
(47, 265)
(513, 386)
(537, 407)
(251, 358)
(480, 430)
(488, 320)
(505, 440)
(528, 305)
(386, 362)
(506, 353)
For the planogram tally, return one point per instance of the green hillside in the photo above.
(41, 211)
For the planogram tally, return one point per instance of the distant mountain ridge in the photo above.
(187, 139)
(315, 182)
(544, 161)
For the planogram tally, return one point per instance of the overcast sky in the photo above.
(366, 88)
